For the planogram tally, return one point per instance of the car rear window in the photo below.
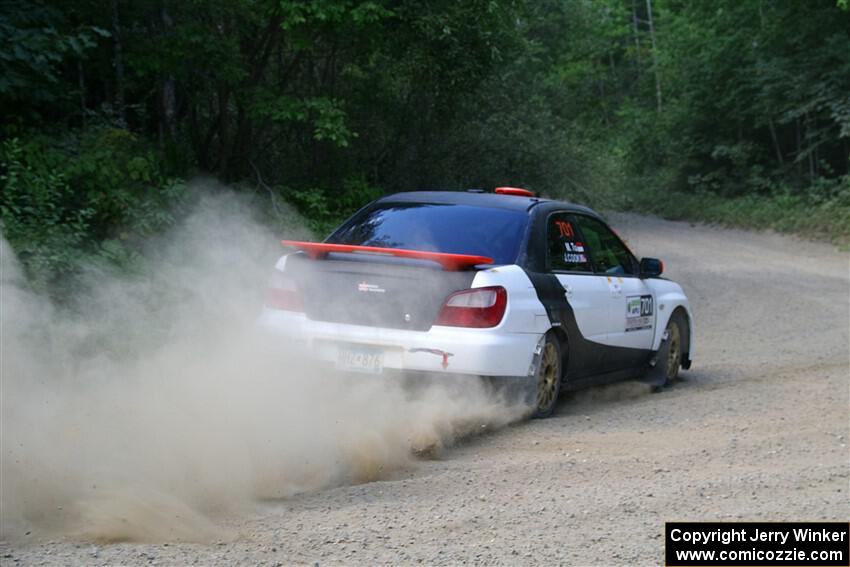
(437, 227)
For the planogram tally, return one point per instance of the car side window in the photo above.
(565, 249)
(608, 254)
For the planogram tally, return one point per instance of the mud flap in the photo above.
(520, 390)
(656, 373)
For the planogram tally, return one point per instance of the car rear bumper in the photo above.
(449, 350)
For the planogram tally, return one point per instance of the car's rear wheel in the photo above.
(548, 377)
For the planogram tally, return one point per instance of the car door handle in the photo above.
(568, 291)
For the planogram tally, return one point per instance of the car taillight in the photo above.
(282, 294)
(480, 307)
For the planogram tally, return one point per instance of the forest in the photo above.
(726, 111)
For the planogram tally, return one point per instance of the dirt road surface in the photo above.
(757, 430)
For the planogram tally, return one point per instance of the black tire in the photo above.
(547, 378)
(669, 358)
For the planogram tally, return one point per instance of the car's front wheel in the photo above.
(548, 377)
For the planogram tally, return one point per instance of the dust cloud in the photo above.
(153, 406)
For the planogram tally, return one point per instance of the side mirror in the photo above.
(651, 267)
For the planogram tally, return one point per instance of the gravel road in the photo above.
(757, 430)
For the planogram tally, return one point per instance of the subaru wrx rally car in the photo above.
(525, 291)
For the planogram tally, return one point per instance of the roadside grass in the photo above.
(818, 220)
(818, 213)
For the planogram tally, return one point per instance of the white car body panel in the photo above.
(627, 328)
(504, 350)
(669, 296)
(589, 297)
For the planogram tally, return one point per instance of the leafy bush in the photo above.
(820, 212)
(326, 208)
(45, 232)
(92, 194)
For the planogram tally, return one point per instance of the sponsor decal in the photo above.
(438, 352)
(370, 288)
(573, 251)
(565, 228)
(639, 309)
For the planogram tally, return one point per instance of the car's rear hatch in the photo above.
(402, 292)
(389, 293)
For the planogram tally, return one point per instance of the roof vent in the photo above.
(516, 191)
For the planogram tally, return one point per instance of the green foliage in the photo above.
(33, 47)
(731, 111)
(46, 232)
(324, 115)
(821, 212)
(92, 195)
(757, 94)
(324, 209)
(314, 205)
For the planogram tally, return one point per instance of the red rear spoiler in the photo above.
(452, 262)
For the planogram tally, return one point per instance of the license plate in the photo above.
(360, 359)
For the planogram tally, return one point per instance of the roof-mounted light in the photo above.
(515, 191)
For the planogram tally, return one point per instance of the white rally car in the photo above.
(532, 292)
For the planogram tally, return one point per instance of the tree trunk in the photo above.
(81, 81)
(120, 107)
(654, 54)
(217, 127)
(169, 88)
(809, 149)
(775, 139)
(799, 148)
(636, 32)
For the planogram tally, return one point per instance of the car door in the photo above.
(631, 303)
(586, 293)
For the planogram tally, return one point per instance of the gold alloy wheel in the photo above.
(548, 376)
(674, 352)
